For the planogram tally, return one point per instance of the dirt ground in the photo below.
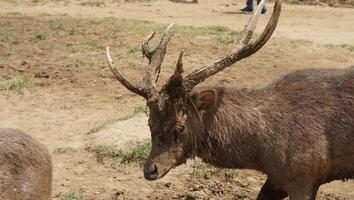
(74, 104)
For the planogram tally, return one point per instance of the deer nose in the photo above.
(151, 172)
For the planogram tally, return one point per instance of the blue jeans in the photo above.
(250, 5)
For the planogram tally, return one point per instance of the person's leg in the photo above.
(264, 9)
(249, 6)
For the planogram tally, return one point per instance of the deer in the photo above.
(25, 167)
(297, 130)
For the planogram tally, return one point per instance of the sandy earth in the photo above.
(68, 100)
(314, 23)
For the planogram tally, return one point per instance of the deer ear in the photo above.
(204, 100)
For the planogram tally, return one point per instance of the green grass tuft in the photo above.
(140, 109)
(37, 36)
(16, 83)
(88, 45)
(133, 50)
(137, 153)
(56, 25)
(6, 36)
(59, 150)
(72, 196)
(349, 47)
(295, 2)
(96, 3)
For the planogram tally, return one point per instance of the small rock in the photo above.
(43, 84)
(243, 184)
(23, 63)
(251, 180)
(168, 184)
(20, 70)
(119, 96)
(194, 188)
(189, 197)
(118, 193)
(206, 176)
(41, 75)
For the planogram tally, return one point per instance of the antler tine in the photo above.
(119, 76)
(243, 48)
(179, 65)
(145, 46)
(269, 29)
(155, 58)
(247, 33)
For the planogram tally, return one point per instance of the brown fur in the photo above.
(298, 130)
(25, 167)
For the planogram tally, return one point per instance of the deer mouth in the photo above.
(154, 172)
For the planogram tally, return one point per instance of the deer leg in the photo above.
(268, 192)
(304, 193)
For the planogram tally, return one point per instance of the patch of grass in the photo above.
(17, 83)
(137, 153)
(96, 3)
(6, 36)
(59, 150)
(74, 31)
(103, 151)
(300, 43)
(350, 47)
(140, 109)
(37, 36)
(219, 28)
(99, 127)
(76, 63)
(88, 45)
(15, 2)
(210, 170)
(45, 14)
(50, 46)
(133, 50)
(136, 1)
(120, 24)
(292, 43)
(225, 39)
(72, 196)
(296, 2)
(56, 25)
(220, 33)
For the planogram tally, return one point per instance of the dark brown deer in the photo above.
(298, 130)
(25, 167)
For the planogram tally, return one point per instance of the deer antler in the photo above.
(243, 48)
(146, 87)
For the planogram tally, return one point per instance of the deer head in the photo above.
(175, 111)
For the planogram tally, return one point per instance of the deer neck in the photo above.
(231, 133)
